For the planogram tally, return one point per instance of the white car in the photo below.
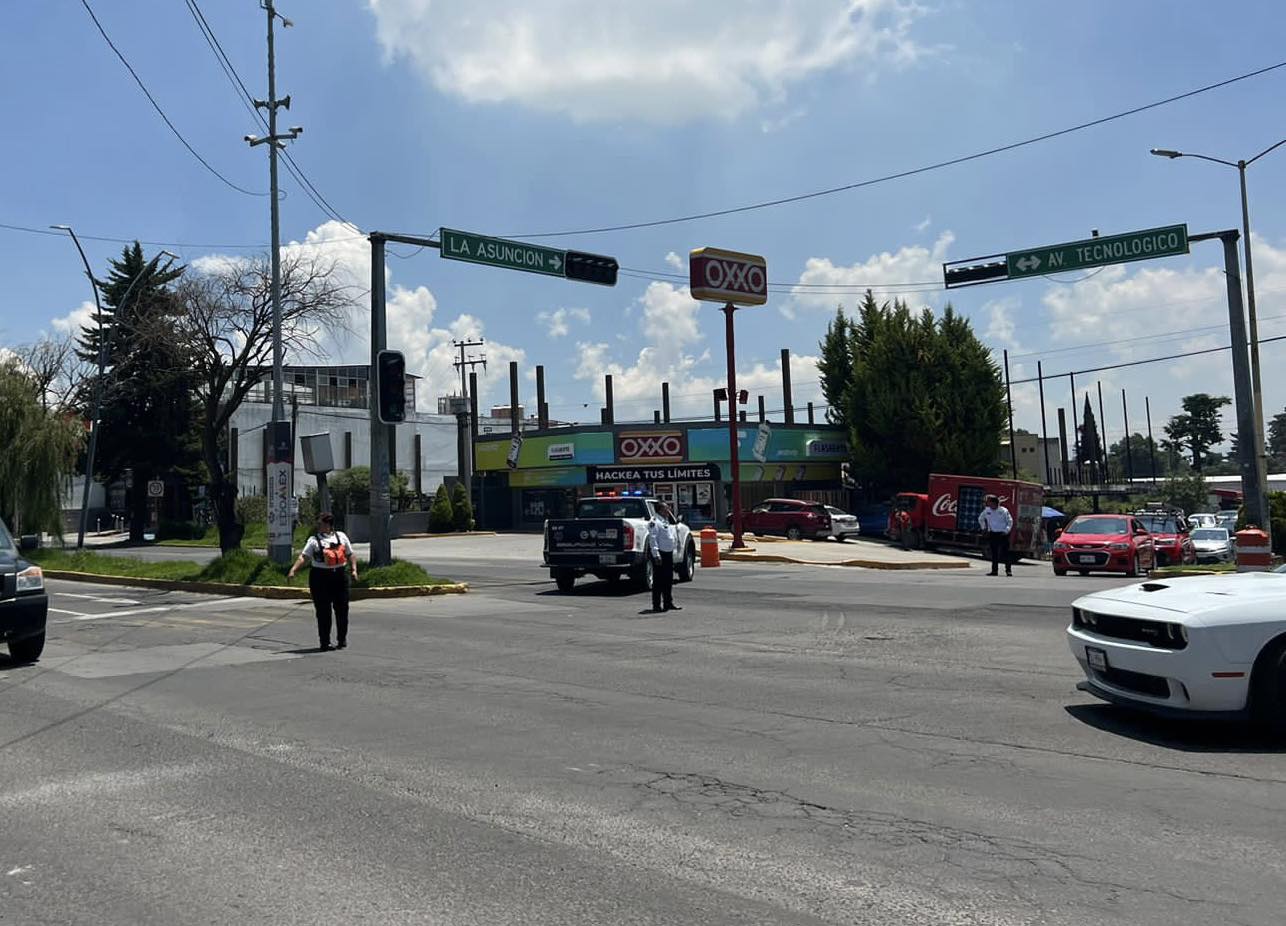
(1202, 519)
(1204, 646)
(843, 524)
(1214, 545)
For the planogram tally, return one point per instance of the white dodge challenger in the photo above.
(1202, 646)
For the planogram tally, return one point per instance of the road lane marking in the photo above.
(98, 598)
(72, 613)
(214, 603)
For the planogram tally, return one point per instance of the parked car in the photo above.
(843, 524)
(789, 517)
(1227, 520)
(1104, 543)
(1214, 545)
(1203, 519)
(1202, 646)
(1169, 531)
(24, 606)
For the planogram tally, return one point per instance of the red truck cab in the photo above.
(947, 515)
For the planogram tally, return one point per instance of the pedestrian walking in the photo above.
(329, 556)
(663, 538)
(996, 522)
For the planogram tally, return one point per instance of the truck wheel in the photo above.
(688, 565)
(28, 649)
(645, 574)
(565, 581)
(792, 533)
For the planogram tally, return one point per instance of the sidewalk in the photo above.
(863, 554)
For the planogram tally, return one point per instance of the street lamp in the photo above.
(104, 349)
(1261, 460)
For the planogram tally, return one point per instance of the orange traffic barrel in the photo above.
(709, 547)
(1253, 553)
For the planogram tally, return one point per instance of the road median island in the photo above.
(236, 573)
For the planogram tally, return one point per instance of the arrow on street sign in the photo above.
(1030, 262)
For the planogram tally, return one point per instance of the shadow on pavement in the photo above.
(1182, 735)
(601, 589)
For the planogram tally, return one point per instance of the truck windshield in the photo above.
(1159, 523)
(611, 508)
(1097, 526)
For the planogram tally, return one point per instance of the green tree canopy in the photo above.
(38, 449)
(923, 394)
(1197, 428)
(441, 514)
(836, 367)
(1089, 449)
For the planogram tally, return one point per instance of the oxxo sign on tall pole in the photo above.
(734, 279)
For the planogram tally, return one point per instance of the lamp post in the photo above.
(1261, 460)
(104, 350)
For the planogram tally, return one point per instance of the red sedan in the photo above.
(1104, 543)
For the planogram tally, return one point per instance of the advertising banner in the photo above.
(785, 444)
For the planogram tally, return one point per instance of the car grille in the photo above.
(1075, 556)
(1153, 685)
(1160, 634)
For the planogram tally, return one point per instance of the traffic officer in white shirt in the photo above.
(996, 522)
(662, 539)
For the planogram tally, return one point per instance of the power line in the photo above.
(247, 99)
(157, 106)
(1137, 363)
(977, 155)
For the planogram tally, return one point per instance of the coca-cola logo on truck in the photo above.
(946, 504)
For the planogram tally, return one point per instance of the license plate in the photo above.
(607, 559)
(1087, 559)
(1097, 658)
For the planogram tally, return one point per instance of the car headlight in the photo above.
(1118, 546)
(1059, 545)
(31, 579)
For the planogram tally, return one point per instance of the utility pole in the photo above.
(464, 431)
(281, 444)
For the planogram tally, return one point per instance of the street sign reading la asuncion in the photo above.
(715, 275)
(500, 252)
(1096, 252)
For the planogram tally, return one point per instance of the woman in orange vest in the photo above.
(329, 553)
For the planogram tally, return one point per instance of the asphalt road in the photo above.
(798, 745)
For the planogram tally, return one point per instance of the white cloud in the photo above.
(674, 260)
(908, 264)
(924, 225)
(670, 316)
(664, 61)
(75, 320)
(556, 322)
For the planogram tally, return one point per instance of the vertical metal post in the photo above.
(1252, 490)
(610, 404)
(1044, 429)
(762, 413)
(1261, 455)
(1102, 434)
(515, 417)
(665, 402)
(656, 416)
(381, 539)
(733, 444)
(1152, 447)
(1129, 454)
(810, 413)
(1062, 439)
(1009, 402)
(542, 415)
(98, 393)
(788, 399)
(1076, 428)
(718, 416)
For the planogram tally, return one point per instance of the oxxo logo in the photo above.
(649, 446)
(715, 275)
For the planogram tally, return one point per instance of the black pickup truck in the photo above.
(24, 606)
(608, 538)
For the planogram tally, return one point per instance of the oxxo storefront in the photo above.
(523, 482)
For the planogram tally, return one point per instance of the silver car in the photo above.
(843, 524)
(1214, 545)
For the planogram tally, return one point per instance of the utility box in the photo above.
(319, 458)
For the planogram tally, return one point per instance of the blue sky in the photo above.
(516, 118)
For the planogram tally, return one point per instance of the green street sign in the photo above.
(498, 252)
(1097, 252)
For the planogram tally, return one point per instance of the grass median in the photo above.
(239, 567)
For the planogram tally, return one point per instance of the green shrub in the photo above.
(180, 530)
(462, 507)
(441, 515)
(252, 509)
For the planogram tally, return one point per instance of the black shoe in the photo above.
(325, 648)
(993, 573)
(341, 644)
(1007, 572)
(673, 607)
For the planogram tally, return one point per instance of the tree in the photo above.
(835, 364)
(1188, 492)
(226, 332)
(146, 421)
(1089, 448)
(441, 515)
(461, 507)
(1277, 440)
(1198, 427)
(1139, 462)
(59, 372)
(38, 448)
(924, 394)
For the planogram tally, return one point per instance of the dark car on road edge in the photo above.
(24, 606)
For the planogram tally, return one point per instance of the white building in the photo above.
(1040, 458)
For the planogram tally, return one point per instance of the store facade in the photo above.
(540, 475)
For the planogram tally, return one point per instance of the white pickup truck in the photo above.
(608, 538)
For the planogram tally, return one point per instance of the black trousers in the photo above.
(998, 543)
(663, 583)
(329, 588)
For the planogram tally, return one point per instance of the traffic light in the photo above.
(590, 268)
(390, 383)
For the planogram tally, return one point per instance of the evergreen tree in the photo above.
(1089, 452)
(1277, 440)
(1197, 427)
(147, 421)
(441, 514)
(461, 507)
(836, 366)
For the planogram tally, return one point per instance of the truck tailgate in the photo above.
(592, 535)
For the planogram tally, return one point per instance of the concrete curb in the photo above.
(255, 591)
(729, 556)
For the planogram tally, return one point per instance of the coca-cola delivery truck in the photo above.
(947, 515)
